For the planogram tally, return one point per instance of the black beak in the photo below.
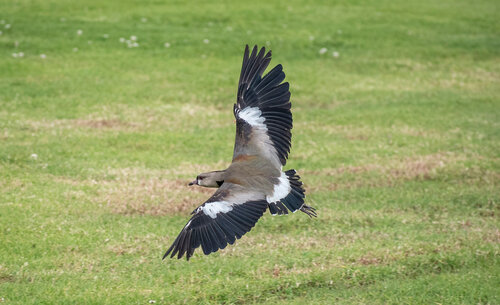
(193, 183)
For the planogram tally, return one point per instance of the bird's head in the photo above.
(210, 179)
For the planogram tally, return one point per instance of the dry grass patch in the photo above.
(126, 118)
(103, 123)
(382, 174)
(363, 133)
(153, 196)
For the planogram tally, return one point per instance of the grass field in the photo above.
(396, 137)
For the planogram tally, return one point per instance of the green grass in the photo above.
(397, 141)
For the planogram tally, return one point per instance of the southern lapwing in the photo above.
(255, 180)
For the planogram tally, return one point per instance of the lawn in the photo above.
(109, 108)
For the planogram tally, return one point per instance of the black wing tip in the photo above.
(255, 48)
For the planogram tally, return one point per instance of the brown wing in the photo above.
(262, 111)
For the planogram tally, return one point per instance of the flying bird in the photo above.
(255, 180)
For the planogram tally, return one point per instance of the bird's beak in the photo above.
(193, 183)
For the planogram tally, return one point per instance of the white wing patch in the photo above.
(253, 116)
(213, 208)
(281, 189)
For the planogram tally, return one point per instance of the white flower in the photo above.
(43, 56)
(20, 54)
(14, 55)
(105, 36)
(167, 45)
(323, 50)
(311, 38)
(152, 301)
(75, 49)
(144, 19)
(229, 28)
(122, 40)
(79, 32)
(135, 44)
(206, 41)
(34, 156)
(335, 54)
(7, 26)
(133, 38)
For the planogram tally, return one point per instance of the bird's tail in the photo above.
(294, 200)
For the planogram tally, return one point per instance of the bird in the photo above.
(255, 180)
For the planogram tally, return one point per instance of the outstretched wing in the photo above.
(230, 213)
(262, 111)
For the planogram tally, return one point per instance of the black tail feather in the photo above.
(294, 201)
